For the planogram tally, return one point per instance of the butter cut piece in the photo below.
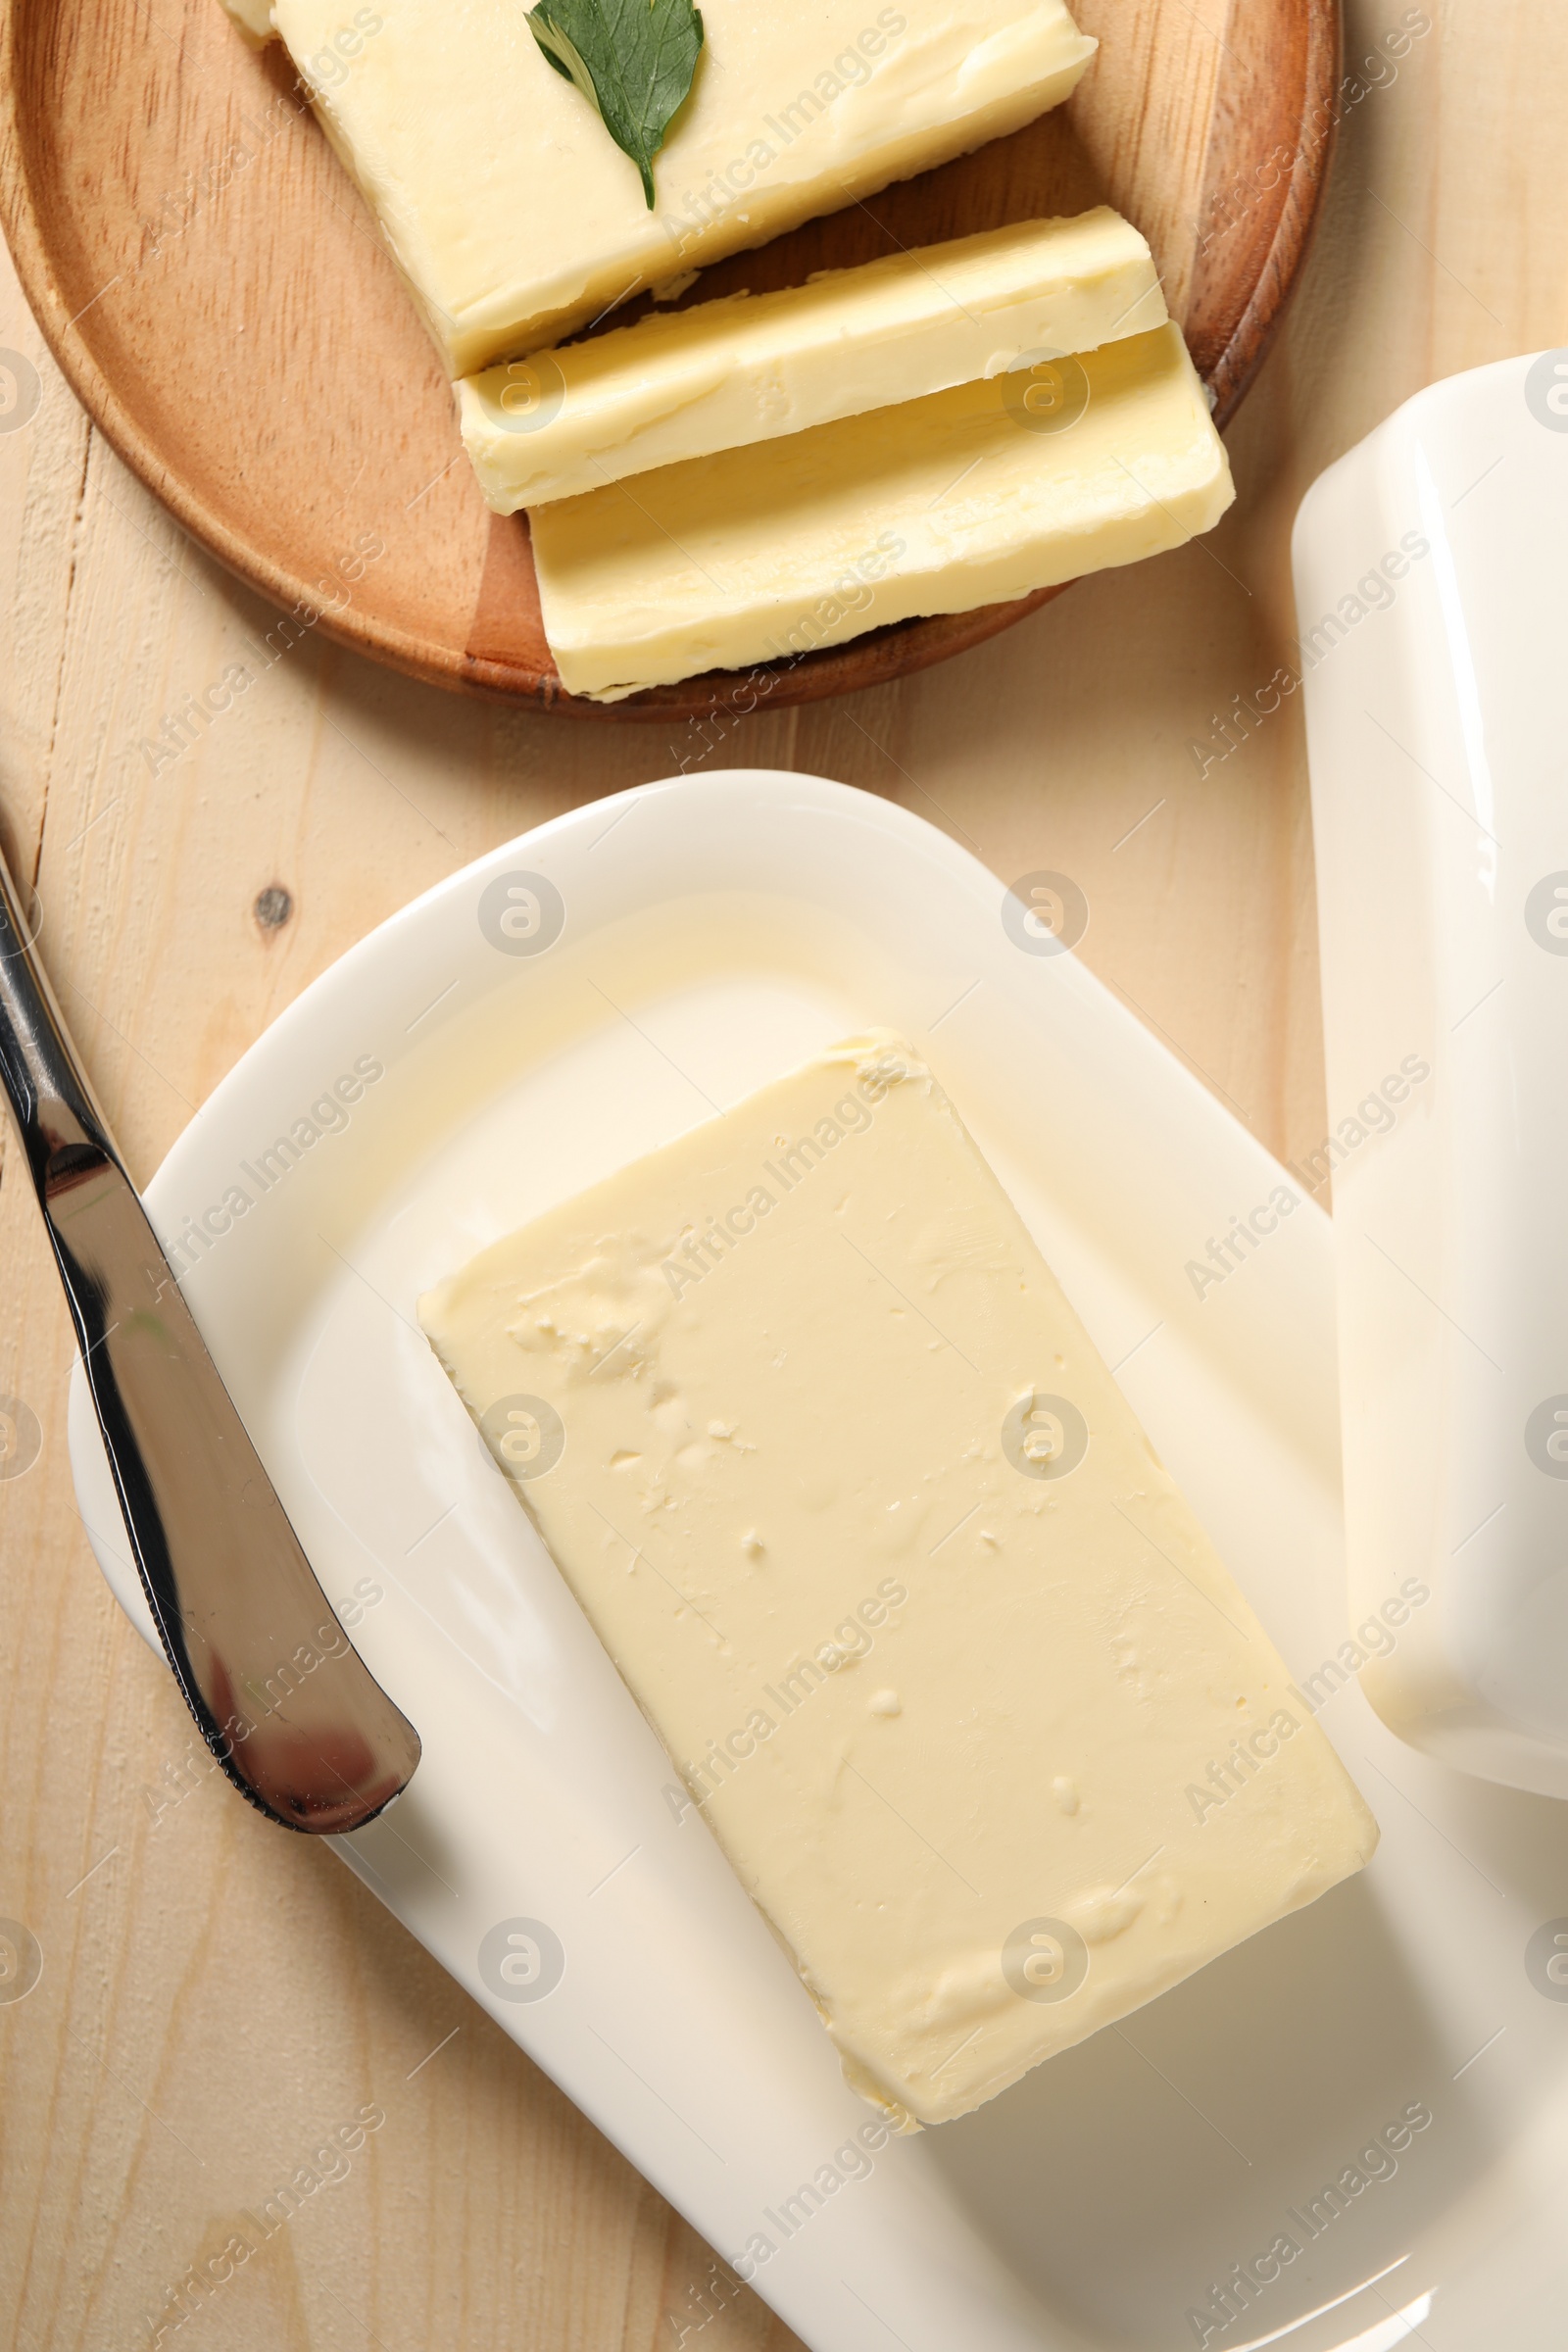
(728, 374)
(514, 218)
(937, 505)
(254, 18)
(956, 1677)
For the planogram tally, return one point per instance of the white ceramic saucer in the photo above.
(571, 1001)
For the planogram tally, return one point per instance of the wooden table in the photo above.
(216, 1999)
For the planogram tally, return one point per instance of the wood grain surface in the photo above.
(217, 292)
(214, 1998)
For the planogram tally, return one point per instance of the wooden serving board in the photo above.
(217, 295)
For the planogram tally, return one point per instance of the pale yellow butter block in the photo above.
(941, 505)
(516, 218)
(726, 374)
(968, 1700)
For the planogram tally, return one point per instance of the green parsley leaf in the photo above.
(634, 59)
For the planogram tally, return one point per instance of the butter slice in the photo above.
(254, 18)
(726, 374)
(517, 219)
(937, 505)
(963, 1692)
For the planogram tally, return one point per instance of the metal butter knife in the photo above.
(281, 1697)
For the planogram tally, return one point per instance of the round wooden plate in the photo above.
(218, 297)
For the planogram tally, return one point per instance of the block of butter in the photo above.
(932, 1639)
(726, 374)
(516, 218)
(970, 497)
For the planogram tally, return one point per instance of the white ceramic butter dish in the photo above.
(1432, 588)
(545, 1017)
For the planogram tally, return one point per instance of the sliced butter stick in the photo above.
(726, 374)
(961, 1687)
(967, 498)
(254, 18)
(517, 219)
